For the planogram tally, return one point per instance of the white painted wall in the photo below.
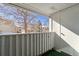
(61, 45)
(69, 20)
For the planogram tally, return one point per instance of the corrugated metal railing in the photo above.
(30, 44)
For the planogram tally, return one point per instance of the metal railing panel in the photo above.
(29, 44)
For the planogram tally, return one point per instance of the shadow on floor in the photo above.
(55, 53)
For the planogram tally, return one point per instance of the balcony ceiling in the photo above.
(45, 8)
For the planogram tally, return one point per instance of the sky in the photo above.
(43, 19)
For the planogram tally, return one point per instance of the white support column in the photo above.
(50, 23)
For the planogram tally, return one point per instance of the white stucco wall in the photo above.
(69, 20)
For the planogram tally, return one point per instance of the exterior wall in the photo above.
(61, 45)
(66, 27)
(7, 26)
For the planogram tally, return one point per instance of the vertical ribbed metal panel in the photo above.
(43, 43)
(26, 44)
(6, 45)
(0, 44)
(36, 43)
(40, 43)
(3, 46)
(46, 41)
(10, 51)
(20, 44)
(17, 46)
(32, 44)
(49, 41)
(52, 40)
(29, 44)
(14, 45)
(23, 45)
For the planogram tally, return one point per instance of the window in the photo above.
(14, 19)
